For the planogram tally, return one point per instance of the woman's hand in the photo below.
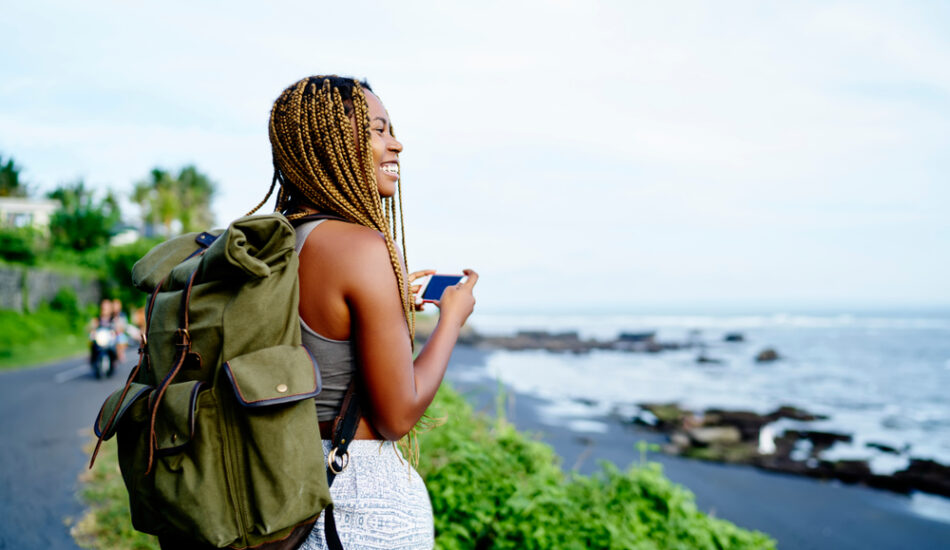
(414, 289)
(458, 301)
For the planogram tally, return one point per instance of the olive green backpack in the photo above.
(217, 433)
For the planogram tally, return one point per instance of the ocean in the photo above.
(883, 378)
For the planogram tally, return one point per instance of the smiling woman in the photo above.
(337, 162)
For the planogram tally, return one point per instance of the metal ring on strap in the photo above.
(332, 459)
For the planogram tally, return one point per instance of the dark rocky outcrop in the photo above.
(550, 341)
(767, 355)
(572, 342)
(669, 416)
(747, 423)
(883, 448)
(794, 413)
(734, 436)
(926, 475)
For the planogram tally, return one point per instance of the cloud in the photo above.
(708, 152)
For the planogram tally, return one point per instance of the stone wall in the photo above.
(11, 288)
(39, 286)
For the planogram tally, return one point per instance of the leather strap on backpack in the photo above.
(312, 217)
(183, 345)
(204, 240)
(344, 428)
(143, 359)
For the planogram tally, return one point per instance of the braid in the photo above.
(318, 161)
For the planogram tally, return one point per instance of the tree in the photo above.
(185, 197)
(83, 222)
(10, 184)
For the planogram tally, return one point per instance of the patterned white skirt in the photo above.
(379, 501)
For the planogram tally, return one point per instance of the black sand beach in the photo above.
(800, 513)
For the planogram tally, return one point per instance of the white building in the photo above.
(20, 212)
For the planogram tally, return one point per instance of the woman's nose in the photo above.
(395, 145)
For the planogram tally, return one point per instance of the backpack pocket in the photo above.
(175, 421)
(274, 376)
(281, 454)
(113, 411)
(188, 488)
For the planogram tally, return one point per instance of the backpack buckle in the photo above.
(183, 338)
(338, 463)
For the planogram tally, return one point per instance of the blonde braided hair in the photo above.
(319, 162)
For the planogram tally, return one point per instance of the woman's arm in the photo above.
(398, 389)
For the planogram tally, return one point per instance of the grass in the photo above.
(494, 487)
(106, 523)
(31, 339)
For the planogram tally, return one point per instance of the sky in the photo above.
(582, 156)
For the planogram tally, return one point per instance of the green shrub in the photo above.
(19, 245)
(67, 302)
(493, 487)
(118, 271)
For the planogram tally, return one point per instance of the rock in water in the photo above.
(767, 355)
(715, 435)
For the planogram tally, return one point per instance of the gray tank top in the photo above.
(335, 358)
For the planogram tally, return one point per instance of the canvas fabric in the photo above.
(217, 434)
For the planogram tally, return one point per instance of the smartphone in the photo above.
(436, 285)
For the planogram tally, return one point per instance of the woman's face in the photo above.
(385, 147)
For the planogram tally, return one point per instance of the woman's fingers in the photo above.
(414, 289)
(420, 274)
(472, 278)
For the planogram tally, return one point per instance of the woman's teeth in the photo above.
(391, 169)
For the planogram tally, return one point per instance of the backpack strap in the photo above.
(311, 217)
(344, 428)
(143, 358)
(183, 344)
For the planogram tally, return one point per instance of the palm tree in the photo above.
(165, 198)
(82, 221)
(10, 184)
(196, 193)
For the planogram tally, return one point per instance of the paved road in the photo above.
(47, 417)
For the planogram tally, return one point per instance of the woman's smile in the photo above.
(390, 169)
(386, 147)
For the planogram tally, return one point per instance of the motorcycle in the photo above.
(103, 352)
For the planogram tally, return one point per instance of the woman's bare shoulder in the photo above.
(349, 244)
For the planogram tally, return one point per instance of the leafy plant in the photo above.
(166, 198)
(19, 245)
(117, 280)
(494, 487)
(67, 303)
(83, 222)
(10, 184)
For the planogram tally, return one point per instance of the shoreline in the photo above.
(787, 432)
(799, 512)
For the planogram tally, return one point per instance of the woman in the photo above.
(335, 154)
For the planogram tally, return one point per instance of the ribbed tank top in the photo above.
(336, 359)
